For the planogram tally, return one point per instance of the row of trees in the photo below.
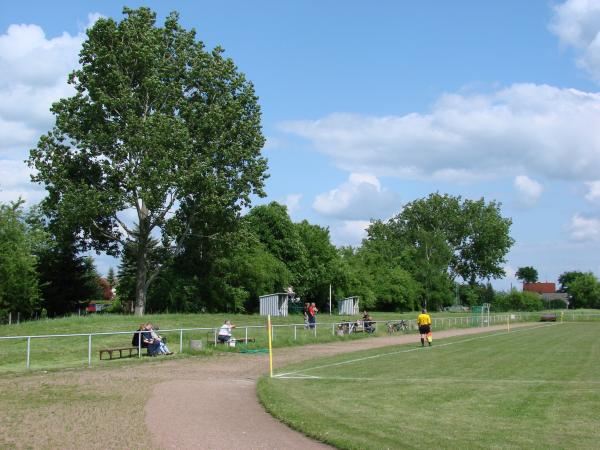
(39, 273)
(264, 251)
(420, 257)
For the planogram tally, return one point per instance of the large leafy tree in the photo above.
(527, 274)
(441, 238)
(468, 238)
(384, 258)
(158, 127)
(566, 278)
(323, 264)
(273, 227)
(584, 291)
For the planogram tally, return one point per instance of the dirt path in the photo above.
(213, 404)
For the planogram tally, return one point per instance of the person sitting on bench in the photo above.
(225, 332)
(368, 322)
(162, 347)
(135, 340)
(149, 342)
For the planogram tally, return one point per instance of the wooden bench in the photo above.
(124, 352)
(548, 318)
(237, 340)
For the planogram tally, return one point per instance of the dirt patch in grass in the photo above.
(204, 402)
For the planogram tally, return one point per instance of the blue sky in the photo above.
(369, 105)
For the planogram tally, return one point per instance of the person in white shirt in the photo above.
(225, 331)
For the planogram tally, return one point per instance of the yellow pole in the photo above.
(508, 324)
(270, 346)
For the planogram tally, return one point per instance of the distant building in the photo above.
(540, 288)
(547, 291)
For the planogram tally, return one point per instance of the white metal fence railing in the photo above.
(346, 326)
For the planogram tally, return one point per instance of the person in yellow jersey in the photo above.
(424, 324)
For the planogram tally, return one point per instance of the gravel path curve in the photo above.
(213, 404)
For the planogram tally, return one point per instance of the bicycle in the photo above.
(393, 327)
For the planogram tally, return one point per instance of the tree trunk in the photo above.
(141, 287)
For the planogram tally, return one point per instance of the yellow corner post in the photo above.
(270, 346)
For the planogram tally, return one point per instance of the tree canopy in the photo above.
(527, 274)
(159, 128)
(442, 237)
(19, 284)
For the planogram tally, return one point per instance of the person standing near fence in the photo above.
(424, 324)
(306, 321)
(312, 315)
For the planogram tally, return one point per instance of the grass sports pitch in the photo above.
(531, 388)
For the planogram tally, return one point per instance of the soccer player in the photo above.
(424, 323)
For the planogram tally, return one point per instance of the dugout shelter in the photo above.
(274, 304)
(348, 306)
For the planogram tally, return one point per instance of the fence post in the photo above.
(139, 344)
(333, 329)
(28, 350)
(89, 350)
(180, 341)
(246, 336)
(295, 332)
(10, 318)
(315, 329)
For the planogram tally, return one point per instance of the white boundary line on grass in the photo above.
(341, 363)
(449, 380)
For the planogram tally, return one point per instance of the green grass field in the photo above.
(531, 388)
(69, 352)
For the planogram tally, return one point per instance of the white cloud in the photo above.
(537, 129)
(529, 190)
(33, 75)
(349, 232)
(593, 194)
(361, 197)
(14, 182)
(577, 24)
(292, 201)
(584, 229)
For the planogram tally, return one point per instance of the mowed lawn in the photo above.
(530, 388)
(72, 352)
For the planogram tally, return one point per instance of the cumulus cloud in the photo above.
(349, 232)
(361, 197)
(527, 128)
(577, 25)
(33, 75)
(14, 183)
(584, 228)
(529, 190)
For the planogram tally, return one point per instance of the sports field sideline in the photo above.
(530, 388)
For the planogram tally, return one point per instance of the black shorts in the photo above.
(424, 329)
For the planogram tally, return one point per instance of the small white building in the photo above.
(348, 306)
(274, 304)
